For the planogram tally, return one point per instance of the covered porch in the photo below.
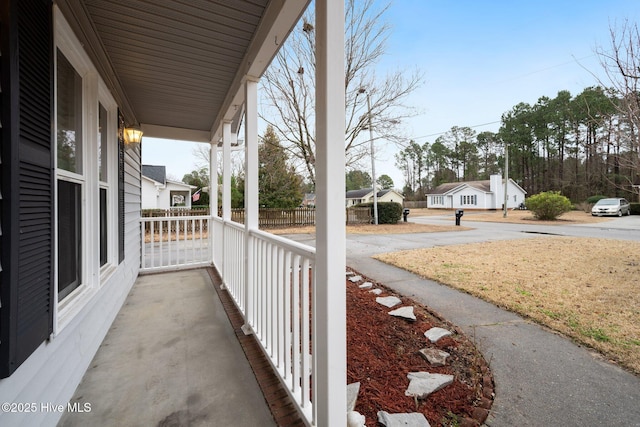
(79, 77)
(192, 81)
(191, 72)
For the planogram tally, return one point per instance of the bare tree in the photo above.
(289, 87)
(621, 63)
(201, 153)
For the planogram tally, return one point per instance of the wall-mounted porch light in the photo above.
(132, 135)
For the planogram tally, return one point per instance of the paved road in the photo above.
(542, 379)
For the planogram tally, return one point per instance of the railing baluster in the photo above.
(295, 276)
(160, 244)
(281, 331)
(287, 315)
(153, 243)
(305, 333)
(143, 247)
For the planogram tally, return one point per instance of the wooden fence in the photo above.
(415, 204)
(153, 213)
(268, 217)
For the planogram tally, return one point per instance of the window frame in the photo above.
(105, 99)
(94, 94)
(63, 47)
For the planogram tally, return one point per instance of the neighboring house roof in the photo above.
(484, 185)
(156, 173)
(359, 194)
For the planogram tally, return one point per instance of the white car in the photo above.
(611, 207)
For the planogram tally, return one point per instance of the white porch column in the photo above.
(213, 179)
(226, 171)
(329, 295)
(213, 197)
(250, 190)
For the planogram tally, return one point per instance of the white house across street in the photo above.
(486, 194)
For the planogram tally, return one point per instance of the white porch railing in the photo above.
(170, 243)
(275, 301)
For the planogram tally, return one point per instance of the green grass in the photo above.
(552, 314)
(523, 292)
(597, 334)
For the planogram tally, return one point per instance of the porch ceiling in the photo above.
(177, 66)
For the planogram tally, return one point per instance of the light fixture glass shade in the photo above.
(132, 135)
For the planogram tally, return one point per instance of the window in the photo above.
(103, 174)
(469, 200)
(69, 247)
(69, 116)
(70, 178)
(86, 162)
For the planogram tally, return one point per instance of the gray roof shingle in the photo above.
(358, 194)
(156, 173)
(484, 185)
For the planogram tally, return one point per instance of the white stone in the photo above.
(355, 419)
(414, 419)
(350, 273)
(376, 291)
(355, 279)
(405, 312)
(352, 395)
(366, 285)
(422, 384)
(434, 334)
(388, 301)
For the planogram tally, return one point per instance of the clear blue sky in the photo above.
(479, 59)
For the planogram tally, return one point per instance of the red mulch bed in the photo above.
(383, 349)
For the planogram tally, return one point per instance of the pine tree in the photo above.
(279, 185)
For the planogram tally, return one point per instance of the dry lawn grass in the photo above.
(399, 228)
(585, 288)
(515, 216)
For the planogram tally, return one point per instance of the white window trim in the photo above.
(110, 105)
(94, 92)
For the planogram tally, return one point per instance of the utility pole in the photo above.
(373, 160)
(506, 177)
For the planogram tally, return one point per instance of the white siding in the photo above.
(469, 198)
(436, 201)
(391, 196)
(514, 193)
(149, 195)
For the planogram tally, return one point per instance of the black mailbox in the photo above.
(405, 213)
(459, 213)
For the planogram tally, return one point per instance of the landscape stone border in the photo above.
(483, 405)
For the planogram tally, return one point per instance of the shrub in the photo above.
(635, 208)
(548, 205)
(388, 212)
(594, 199)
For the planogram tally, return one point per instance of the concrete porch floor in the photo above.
(172, 358)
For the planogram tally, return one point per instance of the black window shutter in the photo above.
(27, 179)
(120, 187)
